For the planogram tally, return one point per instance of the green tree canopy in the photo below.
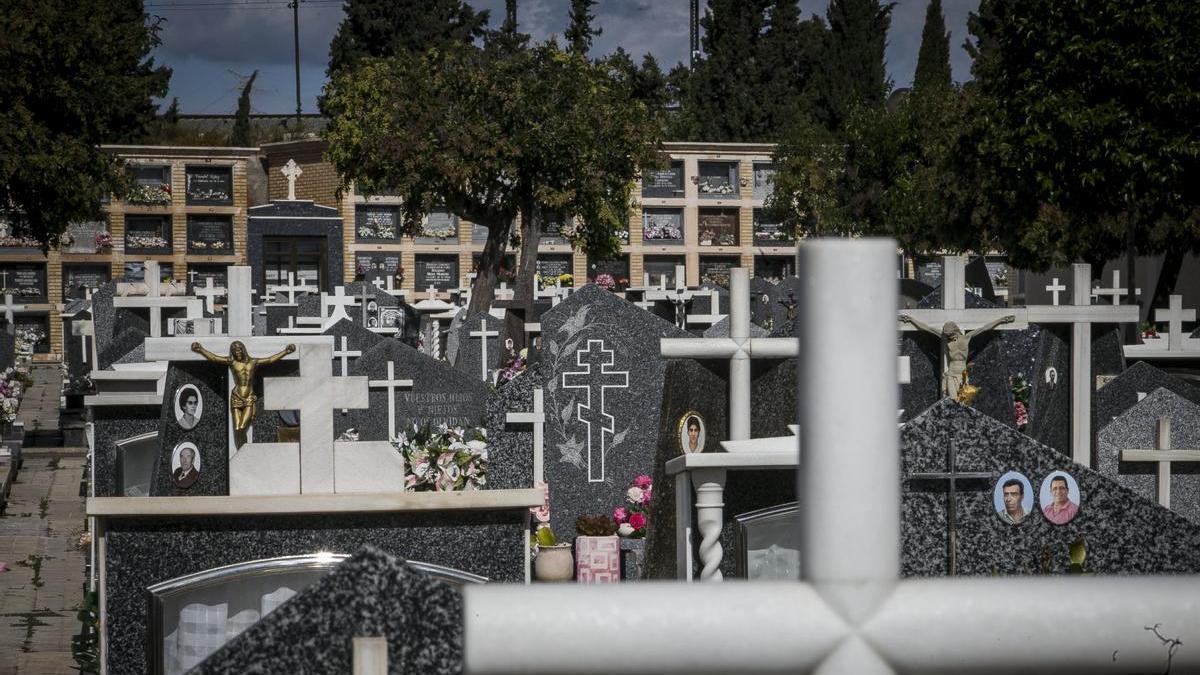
(492, 134)
(579, 33)
(75, 75)
(853, 71)
(1089, 126)
(379, 28)
(241, 136)
(933, 61)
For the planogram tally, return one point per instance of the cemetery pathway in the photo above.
(43, 586)
(39, 405)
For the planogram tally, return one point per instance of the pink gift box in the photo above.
(598, 559)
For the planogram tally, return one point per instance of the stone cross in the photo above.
(1116, 291)
(483, 334)
(209, 293)
(739, 348)
(391, 384)
(155, 303)
(1174, 316)
(537, 417)
(1054, 289)
(1163, 455)
(503, 292)
(291, 288)
(85, 329)
(291, 171)
(9, 308)
(596, 377)
(953, 476)
(339, 301)
(852, 612)
(191, 275)
(431, 293)
(344, 354)
(714, 309)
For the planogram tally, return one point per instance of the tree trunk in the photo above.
(1132, 332)
(531, 235)
(484, 288)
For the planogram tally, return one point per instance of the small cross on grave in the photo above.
(379, 282)
(1163, 455)
(9, 308)
(1116, 291)
(391, 384)
(85, 329)
(537, 417)
(209, 293)
(1055, 288)
(191, 275)
(291, 171)
(155, 303)
(483, 334)
(503, 292)
(343, 354)
(339, 301)
(291, 288)
(953, 476)
(739, 348)
(714, 309)
(1174, 316)
(596, 377)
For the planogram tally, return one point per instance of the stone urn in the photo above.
(554, 563)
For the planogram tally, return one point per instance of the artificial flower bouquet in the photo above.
(443, 459)
(632, 517)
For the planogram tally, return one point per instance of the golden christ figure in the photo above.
(242, 401)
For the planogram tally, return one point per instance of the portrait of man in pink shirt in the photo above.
(1061, 510)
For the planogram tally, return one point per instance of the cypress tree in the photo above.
(381, 28)
(579, 33)
(789, 56)
(241, 136)
(853, 70)
(933, 61)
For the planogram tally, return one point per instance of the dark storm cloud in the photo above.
(212, 49)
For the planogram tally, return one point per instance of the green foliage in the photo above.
(85, 647)
(789, 58)
(1087, 127)
(579, 33)
(492, 133)
(76, 75)
(852, 71)
(598, 525)
(382, 28)
(545, 536)
(241, 137)
(933, 61)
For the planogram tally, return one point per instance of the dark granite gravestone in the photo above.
(76, 349)
(785, 322)
(471, 347)
(721, 329)
(8, 349)
(439, 395)
(912, 292)
(114, 424)
(1136, 428)
(208, 435)
(370, 594)
(1124, 533)
(1050, 390)
(358, 339)
(280, 316)
(118, 331)
(1123, 392)
(924, 387)
(1108, 352)
(604, 380)
(976, 274)
(765, 309)
(510, 444)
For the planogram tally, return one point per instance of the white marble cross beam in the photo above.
(1055, 288)
(1162, 454)
(483, 334)
(210, 293)
(1116, 291)
(1174, 316)
(194, 307)
(291, 288)
(391, 384)
(739, 348)
(10, 308)
(537, 417)
(339, 301)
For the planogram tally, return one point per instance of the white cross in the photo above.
(391, 384)
(344, 354)
(739, 348)
(1174, 316)
(84, 329)
(1163, 455)
(1116, 291)
(209, 293)
(9, 307)
(1054, 289)
(291, 171)
(504, 292)
(339, 301)
(597, 377)
(194, 307)
(852, 613)
(291, 288)
(431, 293)
(483, 333)
(714, 314)
(537, 417)
(192, 276)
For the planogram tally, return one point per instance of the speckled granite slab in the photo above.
(371, 594)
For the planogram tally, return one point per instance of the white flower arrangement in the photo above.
(443, 459)
(145, 241)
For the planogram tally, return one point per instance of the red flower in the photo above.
(637, 520)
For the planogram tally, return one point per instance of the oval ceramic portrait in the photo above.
(1059, 498)
(691, 432)
(1013, 498)
(189, 406)
(185, 465)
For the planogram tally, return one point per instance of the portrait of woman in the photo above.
(188, 406)
(691, 432)
(185, 465)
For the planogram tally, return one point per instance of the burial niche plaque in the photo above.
(662, 267)
(764, 178)
(440, 227)
(611, 275)
(715, 269)
(209, 185)
(78, 278)
(439, 271)
(554, 267)
(662, 226)
(374, 222)
(83, 236)
(718, 227)
(372, 265)
(148, 234)
(210, 234)
(664, 183)
(767, 233)
(25, 281)
(717, 180)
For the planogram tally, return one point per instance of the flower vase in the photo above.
(633, 559)
(554, 563)
(598, 559)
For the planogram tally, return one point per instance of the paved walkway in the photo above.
(39, 405)
(43, 587)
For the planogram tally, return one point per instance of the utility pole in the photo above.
(694, 24)
(295, 5)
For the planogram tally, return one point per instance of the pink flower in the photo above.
(646, 496)
(643, 481)
(1021, 413)
(620, 515)
(637, 520)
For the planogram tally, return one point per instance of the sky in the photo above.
(213, 45)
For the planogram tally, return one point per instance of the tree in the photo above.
(76, 75)
(789, 57)
(579, 33)
(241, 136)
(1087, 128)
(379, 28)
(492, 134)
(933, 61)
(508, 38)
(852, 71)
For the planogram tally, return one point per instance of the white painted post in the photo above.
(1081, 368)
(237, 301)
(848, 401)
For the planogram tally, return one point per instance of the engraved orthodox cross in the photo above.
(597, 375)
